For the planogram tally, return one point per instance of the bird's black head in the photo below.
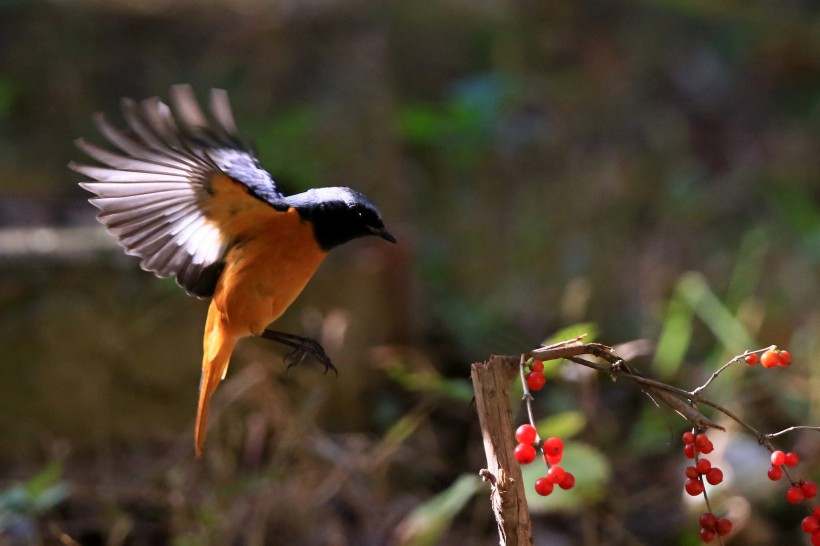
(339, 215)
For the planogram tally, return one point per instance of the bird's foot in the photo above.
(302, 348)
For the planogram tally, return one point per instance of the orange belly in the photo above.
(273, 258)
(264, 273)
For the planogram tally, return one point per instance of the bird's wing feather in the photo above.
(155, 188)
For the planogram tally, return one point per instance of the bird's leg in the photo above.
(302, 348)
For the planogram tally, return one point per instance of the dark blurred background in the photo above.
(642, 170)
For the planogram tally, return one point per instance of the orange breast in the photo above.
(273, 258)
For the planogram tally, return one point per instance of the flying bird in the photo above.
(184, 194)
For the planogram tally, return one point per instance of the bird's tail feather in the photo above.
(218, 346)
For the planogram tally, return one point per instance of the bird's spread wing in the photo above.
(154, 191)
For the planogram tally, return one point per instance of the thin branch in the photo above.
(656, 390)
(738, 358)
(527, 396)
(791, 429)
(681, 401)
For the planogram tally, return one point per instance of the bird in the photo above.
(185, 194)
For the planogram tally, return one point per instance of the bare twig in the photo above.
(658, 391)
(738, 358)
(791, 429)
(527, 398)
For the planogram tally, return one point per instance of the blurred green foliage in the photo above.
(644, 171)
(427, 524)
(23, 505)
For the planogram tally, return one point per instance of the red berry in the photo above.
(693, 487)
(723, 527)
(537, 366)
(778, 458)
(816, 512)
(553, 459)
(707, 520)
(752, 359)
(701, 441)
(568, 482)
(775, 473)
(691, 472)
(809, 489)
(524, 453)
(543, 486)
(553, 446)
(810, 524)
(794, 495)
(714, 476)
(536, 381)
(785, 358)
(770, 359)
(703, 466)
(526, 434)
(688, 437)
(556, 474)
(689, 451)
(703, 444)
(815, 538)
(706, 535)
(791, 459)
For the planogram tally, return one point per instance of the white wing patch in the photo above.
(151, 192)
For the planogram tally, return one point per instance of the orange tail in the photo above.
(218, 345)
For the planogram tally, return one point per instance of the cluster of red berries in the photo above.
(779, 459)
(770, 359)
(798, 492)
(711, 526)
(535, 377)
(693, 446)
(553, 449)
(811, 526)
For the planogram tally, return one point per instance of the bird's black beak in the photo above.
(386, 236)
(381, 232)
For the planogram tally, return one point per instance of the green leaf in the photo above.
(50, 497)
(47, 477)
(565, 424)
(39, 494)
(694, 297)
(404, 428)
(425, 524)
(695, 290)
(674, 339)
(573, 331)
(429, 381)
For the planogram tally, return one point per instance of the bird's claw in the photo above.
(302, 348)
(309, 347)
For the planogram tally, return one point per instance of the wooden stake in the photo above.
(491, 382)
